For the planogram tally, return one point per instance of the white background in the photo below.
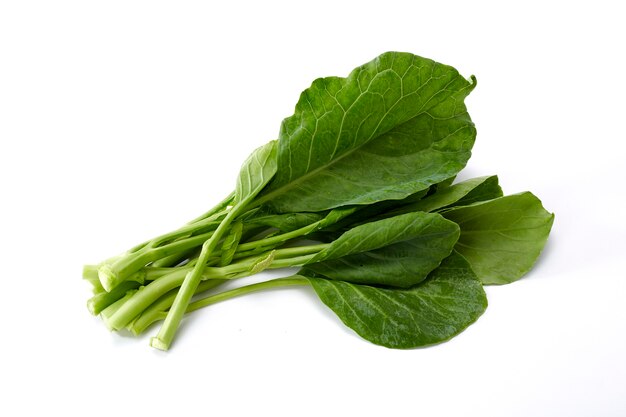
(120, 120)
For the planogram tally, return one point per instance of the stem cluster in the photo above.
(158, 279)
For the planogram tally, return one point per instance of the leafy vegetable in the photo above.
(441, 307)
(255, 173)
(399, 251)
(394, 126)
(502, 238)
(358, 193)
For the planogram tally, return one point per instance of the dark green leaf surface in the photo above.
(394, 126)
(463, 193)
(502, 238)
(374, 211)
(402, 264)
(441, 307)
(381, 233)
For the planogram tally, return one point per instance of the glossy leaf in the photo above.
(381, 233)
(393, 127)
(401, 264)
(441, 307)
(502, 238)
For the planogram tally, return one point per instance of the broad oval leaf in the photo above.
(502, 238)
(381, 233)
(402, 264)
(441, 307)
(394, 126)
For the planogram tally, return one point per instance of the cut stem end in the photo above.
(107, 277)
(157, 343)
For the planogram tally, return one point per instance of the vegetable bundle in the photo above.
(358, 192)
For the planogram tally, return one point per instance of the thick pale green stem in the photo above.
(102, 300)
(111, 310)
(90, 273)
(164, 280)
(166, 334)
(111, 275)
(143, 298)
(175, 259)
(157, 311)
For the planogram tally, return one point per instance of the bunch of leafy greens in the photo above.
(358, 192)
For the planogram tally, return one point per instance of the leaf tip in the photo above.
(473, 82)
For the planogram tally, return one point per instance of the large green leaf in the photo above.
(441, 307)
(381, 233)
(502, 238)
(394, 126)
(402, 264)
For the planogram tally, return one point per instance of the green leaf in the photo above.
(400, 264)
(502, 238)
(441, 307)
(381, 233)
(256, 172)
(463, 193)
(394, 126)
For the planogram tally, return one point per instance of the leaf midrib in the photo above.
(294, 183)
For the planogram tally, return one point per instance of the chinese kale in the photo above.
(358, 192)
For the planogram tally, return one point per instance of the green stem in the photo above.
(90, 273)
(111, 275)
(143, 298)
(164, 280)
(201, 226)
(100, 301)
(278, 239)
(188, 288)
(299, 250)
(274, 283)
(219, 207)
(175, 259)
(241, 269)
(158, 310)
(111, 310)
